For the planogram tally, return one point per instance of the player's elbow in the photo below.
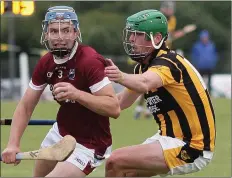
(115, 115)
(142, 88)
(116, 110)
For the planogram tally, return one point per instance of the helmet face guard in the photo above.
(136, 51)
(64, 22)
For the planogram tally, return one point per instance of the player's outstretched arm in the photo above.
(140, 83)
(126, 98)
(19, 123)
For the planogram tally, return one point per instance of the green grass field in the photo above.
(125, 131)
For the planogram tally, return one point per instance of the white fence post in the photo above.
(24, 72)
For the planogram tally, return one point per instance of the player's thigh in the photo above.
(66, 169)
(143, 157)
(43, 167)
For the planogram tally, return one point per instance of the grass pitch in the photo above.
(126, 131)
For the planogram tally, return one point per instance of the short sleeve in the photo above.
(168, 71)
(95, 73)
(164, 73)
(38, 80)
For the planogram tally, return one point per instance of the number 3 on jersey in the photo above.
(60, 73)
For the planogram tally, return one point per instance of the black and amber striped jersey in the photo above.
(182, 106)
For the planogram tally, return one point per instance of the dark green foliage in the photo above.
(102, 23)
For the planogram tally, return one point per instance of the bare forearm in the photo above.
(123, 102)
(119, 96)
(124, 105)
(135, 82)
(19, 123)
(103, 105)
(126, 98)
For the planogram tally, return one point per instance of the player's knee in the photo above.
(42, 168)
(110, 169)
(110, 164)
(113, 162)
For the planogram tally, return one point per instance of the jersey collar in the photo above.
(161, 51)
(61, 61)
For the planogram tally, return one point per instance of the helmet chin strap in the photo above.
(61, 52)
(59, 60)
(153, 43)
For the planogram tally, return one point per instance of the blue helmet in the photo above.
(59, 14)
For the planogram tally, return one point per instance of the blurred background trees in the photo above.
(101, 24)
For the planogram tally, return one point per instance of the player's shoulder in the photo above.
(87, 51)
(89, 55)
(43, 64)
(46, 58)
(167, 58)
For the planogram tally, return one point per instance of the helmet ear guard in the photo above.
(161, 42)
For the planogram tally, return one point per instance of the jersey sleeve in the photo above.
(95, 73)
(167, 70)
(38, 80)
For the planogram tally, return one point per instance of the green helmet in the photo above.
(148, 23)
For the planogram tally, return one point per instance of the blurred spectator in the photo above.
(204, 56)
(168, 9)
